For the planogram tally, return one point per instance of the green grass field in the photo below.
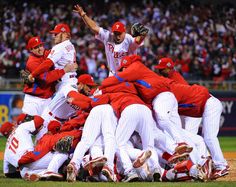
(228, 144)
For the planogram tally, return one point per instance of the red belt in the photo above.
(57, 118)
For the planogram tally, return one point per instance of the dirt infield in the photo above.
(230, 156)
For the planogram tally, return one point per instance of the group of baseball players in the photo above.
(137, 125)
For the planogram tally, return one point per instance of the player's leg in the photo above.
(191, 124)
(166, 112)
(211, 124)
(109, 123)
(145, 130)
(125, 128)
(91, 130)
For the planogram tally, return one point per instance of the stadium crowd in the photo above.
(199, 38)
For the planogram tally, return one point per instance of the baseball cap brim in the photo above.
(92, 84)
(160, 67)
(54, 32)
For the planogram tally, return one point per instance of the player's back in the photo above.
(19, 142)
(62, 54)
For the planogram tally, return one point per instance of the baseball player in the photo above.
(154, 91)
(117, 43)
(196, 101)
(101, 120)
(134, 116)
(166, 69)
(19, 141)
(38, 94)
(40, 166)
(61, 54)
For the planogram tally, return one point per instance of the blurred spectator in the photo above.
(200, 38)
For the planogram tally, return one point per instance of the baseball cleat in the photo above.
(183, 148)
(34, 177)
(111, 177)
(175, 158)
(96, 162)
(142, 158)
(131, 176)
(207, 168)
(71, 173)
(52, 176)
(217, 173)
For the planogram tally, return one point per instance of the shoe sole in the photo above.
(52, 176)
(95, 163)
(108, 175)
(70, 173)
(178, 158)
(132, 179)
(142, 159)
(183, 149)
(34, 177)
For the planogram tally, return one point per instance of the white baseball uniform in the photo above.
(165, 106)
(135, 117)
(34, 105)
(101, 120)
(18, 143)
(115, 52)
(210, 128)
(51, 162)
(58, 109)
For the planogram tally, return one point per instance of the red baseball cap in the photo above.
(61, 27)
(87, 79)
(33, 42)
(54, 126)
(6, 128)
(165, 63)
(118, 27)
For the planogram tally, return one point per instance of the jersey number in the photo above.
(14, 145)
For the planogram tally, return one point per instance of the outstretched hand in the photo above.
(78, 9)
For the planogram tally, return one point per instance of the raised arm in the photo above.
(87, 20)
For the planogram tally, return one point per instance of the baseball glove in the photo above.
(64, 144)
(24, 74)
(138, 29)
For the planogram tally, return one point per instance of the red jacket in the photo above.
(191, 99)
(148, 83)
(121, 96)
(46, 144)
(44, 85)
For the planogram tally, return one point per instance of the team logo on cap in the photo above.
(117, 26)
(168, 64)
(37, 40)
(125, 61)
(159, 61)
(63, 29)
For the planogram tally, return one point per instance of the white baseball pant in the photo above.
(101, 120)
(135, 117)
(210, 128)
